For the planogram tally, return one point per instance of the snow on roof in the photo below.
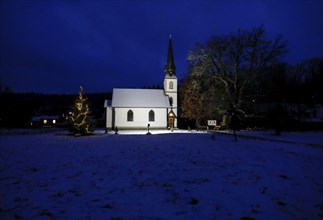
(136, 98)
(107, 103)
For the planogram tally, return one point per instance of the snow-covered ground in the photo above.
(176, 175)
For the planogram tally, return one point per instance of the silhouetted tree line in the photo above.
(17, 109)
(152, 87)
(4, 88)
(288, 93)
(240, 76)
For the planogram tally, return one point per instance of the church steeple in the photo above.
(170, 68)
(170, 87)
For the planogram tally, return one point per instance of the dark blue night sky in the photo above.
(54, 46)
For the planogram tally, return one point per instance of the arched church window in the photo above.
(151, 115)
(171, 101)
(130, 115)
(171, 85)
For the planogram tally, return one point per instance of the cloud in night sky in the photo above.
(54, 46)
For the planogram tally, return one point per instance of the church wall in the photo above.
(167, 85)
(174, 97)
(171, 91)
(108, 117)
(140, 118)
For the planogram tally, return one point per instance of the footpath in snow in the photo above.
(306, 138)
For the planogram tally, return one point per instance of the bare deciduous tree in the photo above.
(234, 61)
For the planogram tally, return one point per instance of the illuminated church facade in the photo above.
(139, 108)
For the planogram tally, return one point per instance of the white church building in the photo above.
(140, 108)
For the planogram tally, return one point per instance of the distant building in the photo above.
(45, 121)
(138, 108)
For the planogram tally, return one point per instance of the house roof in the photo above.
(139, 98)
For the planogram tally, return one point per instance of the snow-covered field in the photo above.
(178, 175)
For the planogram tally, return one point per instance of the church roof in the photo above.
(170, 68)
(139, 98)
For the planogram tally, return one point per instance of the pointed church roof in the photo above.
(170, 68)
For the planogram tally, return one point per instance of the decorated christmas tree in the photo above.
(81, 123)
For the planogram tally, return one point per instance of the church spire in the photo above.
(170, 68)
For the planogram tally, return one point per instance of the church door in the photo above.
(171, 120)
